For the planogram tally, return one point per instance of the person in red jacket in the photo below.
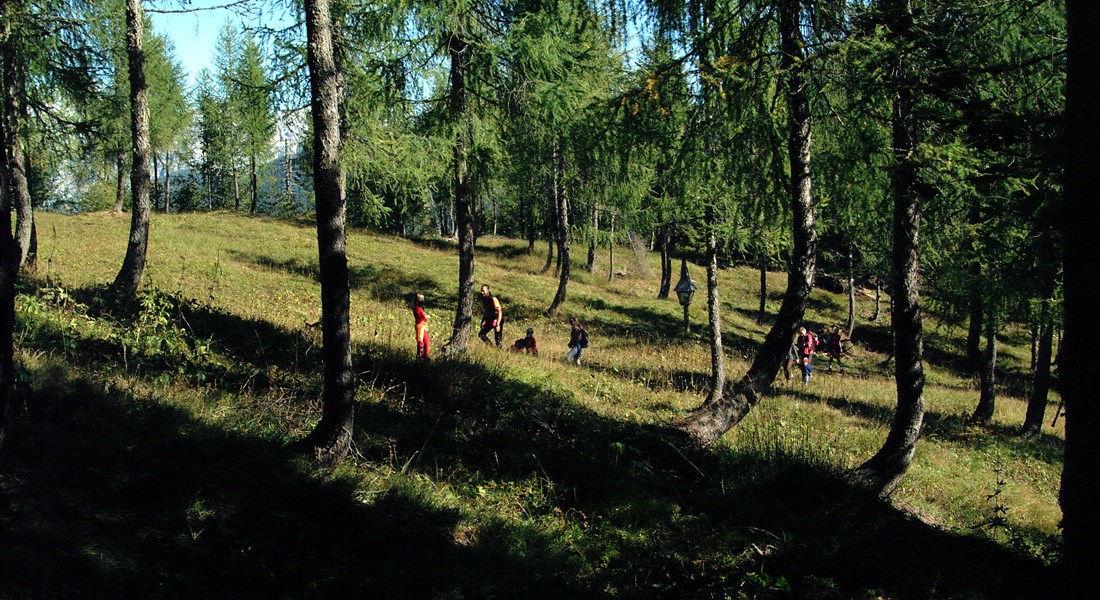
(423, 342)
(806, 344)
(527, 344)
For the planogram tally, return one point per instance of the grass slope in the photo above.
(146, 455)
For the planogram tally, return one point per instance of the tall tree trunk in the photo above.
(1079, 369)
(128, 280)
(236, 186)
(30, 262)
(15, 164)
(459, 51)
(974, 331)
(288, 196)
(983, 414)
(666, 262)
(850, 326)
(883, 471)
(167, 182)
(590, 264)
(707, 423)
(1037, 402)
(562, 203)
(9, 250)
(331, 439)
(550, 239)
(120, 166)
(252, 182)
(156, 181)
(714, 313)
(611, 251)
(762, 310)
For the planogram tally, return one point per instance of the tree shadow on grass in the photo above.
(111, 496)
(653, 516)
(952, 428)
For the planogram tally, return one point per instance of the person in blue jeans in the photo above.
(578, 341)
(806, 344)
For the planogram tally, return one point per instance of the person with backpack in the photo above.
(527, 344)
(806, 343)
(834, 348)
(492, 317)
(578, 341)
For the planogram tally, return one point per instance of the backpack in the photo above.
(584, 339)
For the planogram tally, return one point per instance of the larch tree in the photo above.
(128, 280)
(708, 422)
(331, 439)
(14, 163)
(883, 471)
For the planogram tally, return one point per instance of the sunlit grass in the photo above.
(640, 370)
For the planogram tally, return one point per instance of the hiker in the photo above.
(790, 361)
(578, 341)
(807, 344)
(527, 344)
(834, 348)
(423, 343)
(492, 317)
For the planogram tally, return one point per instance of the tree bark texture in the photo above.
(976, 309)
(120, 188)
(459, 51)
(15, 164)
(762, 310)
(129, 276)
(9, 256)
(707, 423)
(1080, 370)
(255, 200)
(562, 203)
(714, 313)
(590, 263)
(551, 235)
(883, 472)
(666, 262)
(1040, 389)
(987, 375)
(611, 251)
(331, 438)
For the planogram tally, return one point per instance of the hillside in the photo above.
(148, 455)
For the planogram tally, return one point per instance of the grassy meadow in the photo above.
(147, 452)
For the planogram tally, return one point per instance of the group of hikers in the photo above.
(807, 344)
(492, 320)
(801, 353)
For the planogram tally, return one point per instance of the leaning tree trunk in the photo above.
(128, 280)
(331, 439)
(459, 51)
(562, 203)
(15, 165)
(707, 423)
(714, 314)
(120, 166)
(983, 413)
(883, 471)
(1080, 370)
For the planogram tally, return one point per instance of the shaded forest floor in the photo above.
(147, 451)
